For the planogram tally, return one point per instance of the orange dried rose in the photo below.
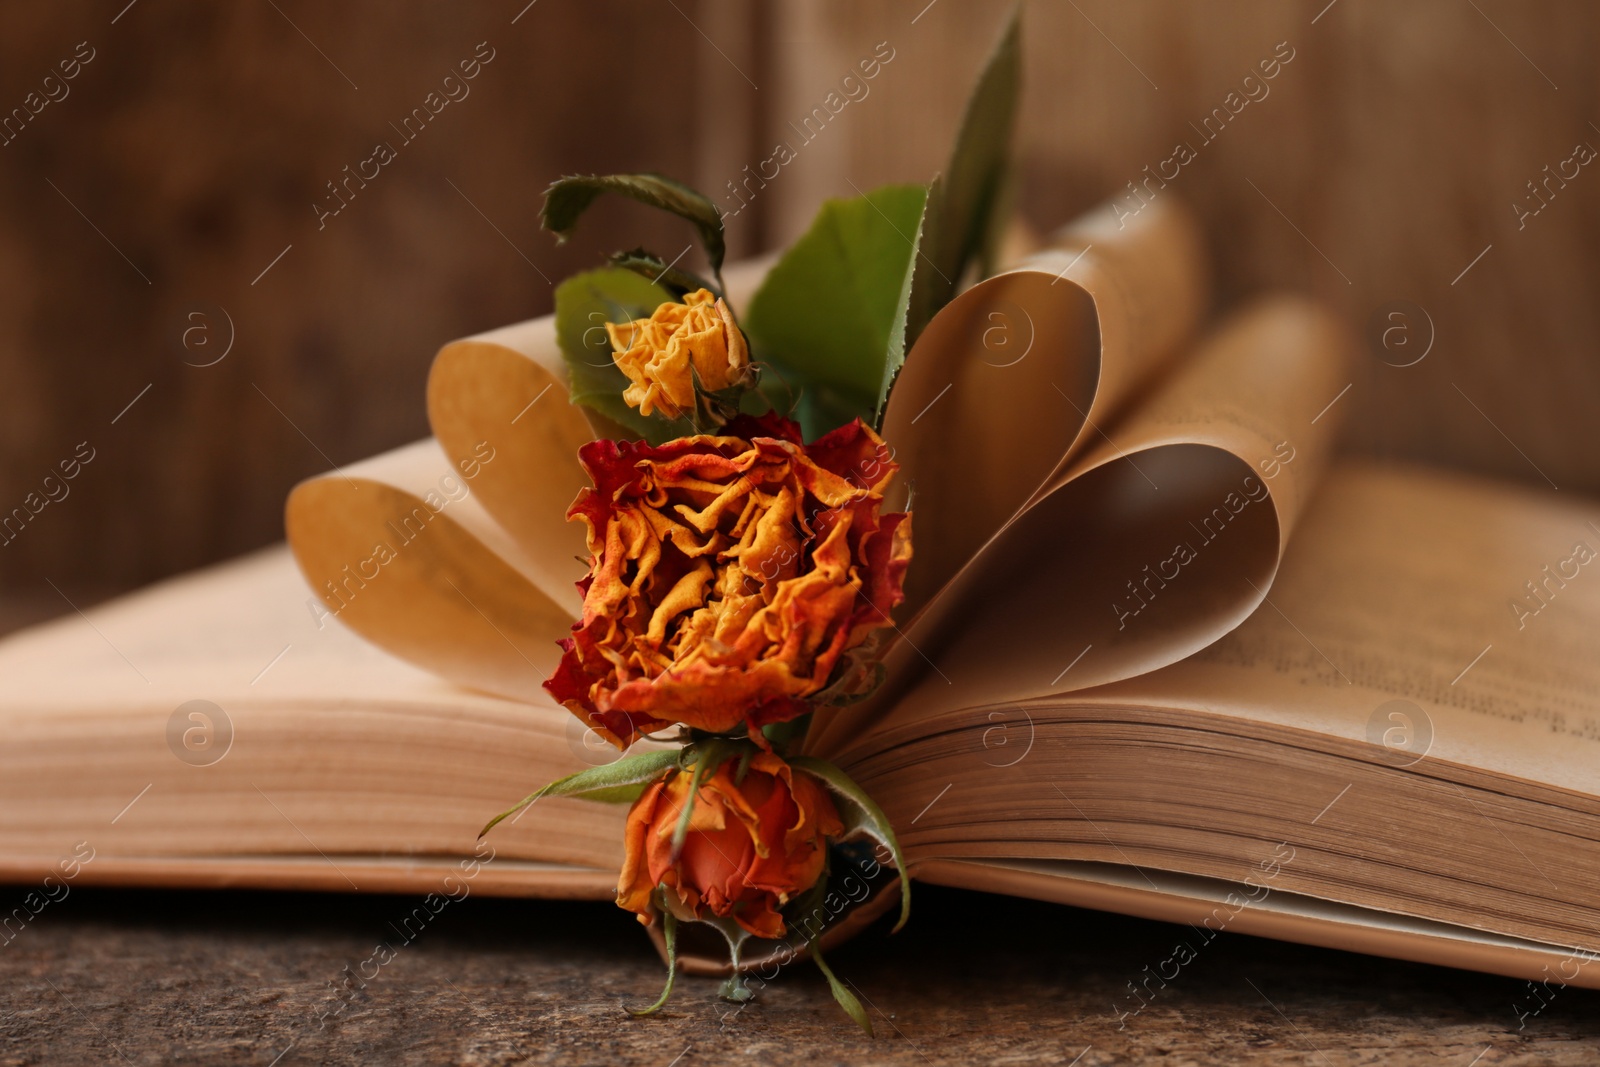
(728, 575)
(753, 844)
(657, 353)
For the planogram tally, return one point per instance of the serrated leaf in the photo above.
(847, 1000)
(567, 199)
(961, 221)
(599, 783)
(966, 225)
(928, 290)
(584, 304)
(918, 299)
(830, 316)
(861, 812)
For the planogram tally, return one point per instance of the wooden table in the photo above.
(140, 977)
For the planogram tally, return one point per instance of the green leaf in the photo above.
(928, 288)
(669, 934)
(830, 316)
(917, 300)
(584, 304)
(967, 221)
(567, 199)
(605, 783)
(847, 1000)
(861, 812)
(653, 268)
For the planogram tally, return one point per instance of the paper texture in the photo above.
(1344, 721)
(1161, 537)
(313, 748)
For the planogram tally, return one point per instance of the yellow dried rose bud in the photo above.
(657, 353)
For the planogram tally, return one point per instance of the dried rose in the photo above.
(657, 354)
(754, 841)
(728, 575)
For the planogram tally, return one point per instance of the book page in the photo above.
(219, 729)
(1057, 344)
(459, 547)
(1415, 708)
(1438, 616)
(1164, 535)
(1208, 906)
(398, 549)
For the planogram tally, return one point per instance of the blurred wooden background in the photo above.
(176, 177)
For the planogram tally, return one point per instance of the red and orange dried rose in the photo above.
(729, 574)
(755, 840)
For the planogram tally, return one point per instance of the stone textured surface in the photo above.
(193, 978)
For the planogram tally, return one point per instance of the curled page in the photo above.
(399, 550)
(456, 553)
(1159, 539)
(505, 391)
(1004, 386)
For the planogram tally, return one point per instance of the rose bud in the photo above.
(657, 353)
(754, 842)
(728, 576)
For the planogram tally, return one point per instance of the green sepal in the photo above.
(568, 198)
(587, 301)
(622, 794)
(652, 267)
(669, 934)
(719, 406)
(787, 736)
(859, 672)
(733, 987)
(606, 783)
(847, 1000)
(707, 755)
(860, 813)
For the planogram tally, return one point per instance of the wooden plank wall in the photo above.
(1379, 163)
(188, 154)
(1384, 157)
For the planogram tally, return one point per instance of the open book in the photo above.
(1159, 655)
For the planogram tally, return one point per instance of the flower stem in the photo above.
(669, 932)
